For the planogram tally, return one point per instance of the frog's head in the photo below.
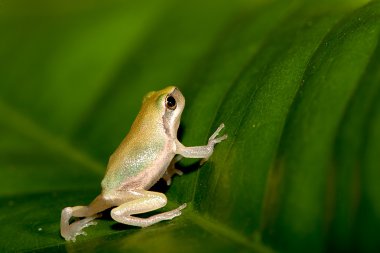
(169, 104)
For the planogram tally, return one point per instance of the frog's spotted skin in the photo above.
(145, 155)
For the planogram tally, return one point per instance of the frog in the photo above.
(148, 153)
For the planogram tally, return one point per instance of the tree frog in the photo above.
(146, 154)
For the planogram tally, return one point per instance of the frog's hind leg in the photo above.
(70, 231)
(141, 201)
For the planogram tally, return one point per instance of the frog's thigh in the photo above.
(144, 201)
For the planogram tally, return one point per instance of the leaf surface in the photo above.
(296, 83)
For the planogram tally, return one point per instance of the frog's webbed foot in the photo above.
(71, 231)
(172, 170)
(76, 228)
(88, 213)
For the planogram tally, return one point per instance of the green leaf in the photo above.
(297, 84)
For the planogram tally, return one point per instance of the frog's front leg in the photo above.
(201, 151)
(142, 201)
(70, 231)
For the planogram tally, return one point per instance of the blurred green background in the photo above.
(297, 84)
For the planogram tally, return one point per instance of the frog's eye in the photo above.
(170, 103)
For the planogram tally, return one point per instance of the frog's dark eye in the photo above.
(170, 103)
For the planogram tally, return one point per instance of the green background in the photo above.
(297, 84)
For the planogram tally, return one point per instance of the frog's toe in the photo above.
(220, 139)
(83, 223)
(176, 212)
(216, 133)
(178, 172)
(184, 205)
(77, 227)
(87, 222)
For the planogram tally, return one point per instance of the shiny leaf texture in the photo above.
(297, 84)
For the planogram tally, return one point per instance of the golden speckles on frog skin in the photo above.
(148, 153)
